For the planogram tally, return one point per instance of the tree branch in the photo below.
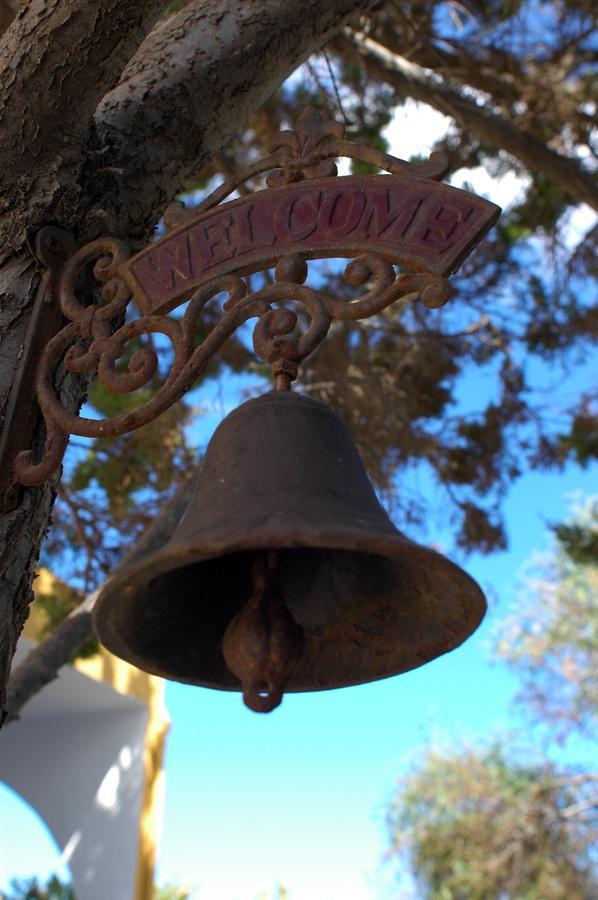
(193, 84)
(42, 664)
(409, 78)
(460, 63)
(57, 60)
(571, 812)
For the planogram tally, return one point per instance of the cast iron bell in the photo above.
(285, 573)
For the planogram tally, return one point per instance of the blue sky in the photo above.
(298, 797)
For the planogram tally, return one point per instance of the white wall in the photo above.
(76, 756)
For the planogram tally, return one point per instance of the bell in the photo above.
(285, 573)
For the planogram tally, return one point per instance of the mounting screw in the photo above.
(53, 246)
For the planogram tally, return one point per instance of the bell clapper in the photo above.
(263, 643)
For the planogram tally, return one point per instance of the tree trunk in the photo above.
(43, 146)
(189, 88)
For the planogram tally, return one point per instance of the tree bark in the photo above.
(409, 78)
(57, 60)
(190, 87)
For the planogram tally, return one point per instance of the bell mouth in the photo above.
(365, 614)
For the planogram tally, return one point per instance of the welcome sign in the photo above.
(402, 216)
(415, 222)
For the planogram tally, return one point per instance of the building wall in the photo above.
(87, 755)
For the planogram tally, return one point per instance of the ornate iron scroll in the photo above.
(376, 221)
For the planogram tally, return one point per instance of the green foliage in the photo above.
(114, 487)
(551, 638)
(279, 893)
(31, 889)
(175, 7)
(543, 206)
(579, 541)
(171, 892)
(134, 463)
(368, 110)
(476, 824)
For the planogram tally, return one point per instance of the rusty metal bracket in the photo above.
(52, 247)
(404, 219)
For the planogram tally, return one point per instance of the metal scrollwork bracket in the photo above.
(52, 246)
(378, 222)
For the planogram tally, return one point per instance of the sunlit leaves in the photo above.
(550, 639)
(474, 824)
